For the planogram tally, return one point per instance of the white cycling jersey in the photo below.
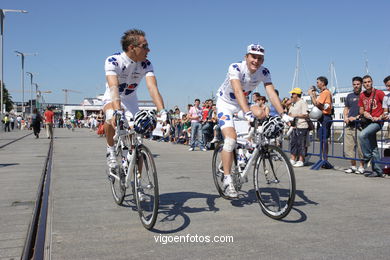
(248, 81)
(130, 74)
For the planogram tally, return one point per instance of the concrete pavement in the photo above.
(21, 165)
(335, 215)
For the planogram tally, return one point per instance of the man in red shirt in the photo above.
(49, 120)
(370, 106)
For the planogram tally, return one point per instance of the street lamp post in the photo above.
(23, 55)
(2, 16)
(37, 96)
(31, 92)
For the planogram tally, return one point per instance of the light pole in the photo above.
(2, 16)
(37, 96)
(22, 55)
(31, 92)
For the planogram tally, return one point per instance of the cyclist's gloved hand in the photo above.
(249, 116)
(121, 114)
(286, 118)
(163, 115)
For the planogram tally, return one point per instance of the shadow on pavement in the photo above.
(7, 164)
(248, 198)
(173, 213)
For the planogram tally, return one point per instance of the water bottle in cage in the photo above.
(241, 159)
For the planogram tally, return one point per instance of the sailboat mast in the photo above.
(295, 83)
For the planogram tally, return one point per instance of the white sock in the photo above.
(110, 149)
(227, 178)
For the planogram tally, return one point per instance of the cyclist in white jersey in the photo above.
(242, 78)
(124, 72)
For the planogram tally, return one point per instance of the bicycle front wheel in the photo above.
(274, 182)
(146, 187)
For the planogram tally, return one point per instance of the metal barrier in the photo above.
(323, 157)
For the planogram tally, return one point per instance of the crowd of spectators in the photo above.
(198, 127)
(364, 114)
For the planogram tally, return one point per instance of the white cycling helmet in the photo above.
(273, 127)
(315, 113)
(144, 121)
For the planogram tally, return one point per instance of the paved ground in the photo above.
(21, 165)
(335, 215)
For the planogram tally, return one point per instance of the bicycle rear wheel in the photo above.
(274, 182)
(118, 187)
(146, 187)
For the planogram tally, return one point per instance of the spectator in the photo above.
(186, 128)
(263, 106)
(36, 120)
(386, 106)
(286, 103)
(49, 120)
(216, 129)
(12, 121)
(60, 122)
(207, 126)
(298, 111)
(176, 121)
(352, 127)
(166, 131)
(23, 124)
(6, 120)
(189, 106)
(257, 107)
(370, 103)
(324, 103)
(19, 122)
(195, 115)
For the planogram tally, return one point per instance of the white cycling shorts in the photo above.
(130, 105)
(225, 113)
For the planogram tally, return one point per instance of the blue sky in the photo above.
(193, 42)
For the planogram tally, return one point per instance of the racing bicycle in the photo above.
(136, 169)
(273, 174)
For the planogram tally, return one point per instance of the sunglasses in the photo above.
(257, 48)
(144, 46)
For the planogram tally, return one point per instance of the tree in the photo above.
(9, 104)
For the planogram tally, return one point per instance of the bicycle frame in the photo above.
(128, 140)
(258, 145)
(243, 173)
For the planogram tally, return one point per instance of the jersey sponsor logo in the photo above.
(145, 64)
(265, 71)
(127, 89)
(113, 61)
(222, 118)
(246, 94)
(235, 66)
